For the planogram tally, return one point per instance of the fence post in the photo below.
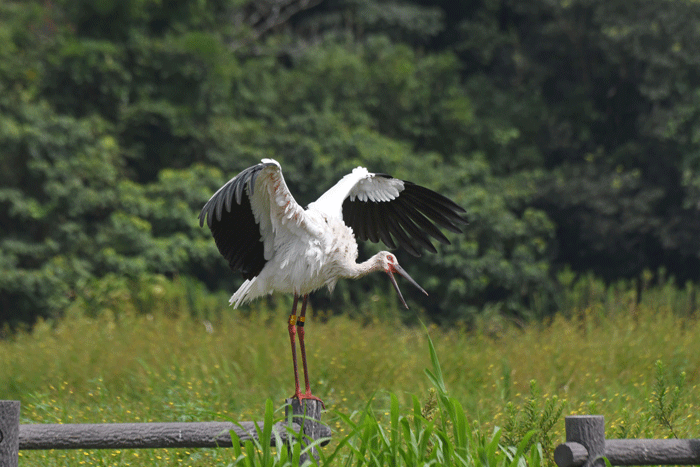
(588, 431)
(307, 413)
(9, 433)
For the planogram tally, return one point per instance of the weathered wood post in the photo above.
(9, 433)
(306, 413)
(585, 442)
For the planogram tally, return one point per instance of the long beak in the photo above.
(401, 271)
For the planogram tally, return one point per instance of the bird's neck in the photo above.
(357, 270)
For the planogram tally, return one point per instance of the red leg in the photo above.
(300, 330)
(292, 328)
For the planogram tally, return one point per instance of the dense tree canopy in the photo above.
(568, 129)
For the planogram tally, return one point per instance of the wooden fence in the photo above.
(586, 446)
(305, 421)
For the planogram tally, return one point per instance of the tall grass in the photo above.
(436, 433)
(191, 358)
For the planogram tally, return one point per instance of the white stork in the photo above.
(279, 246)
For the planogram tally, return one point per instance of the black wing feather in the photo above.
(402, 237)
(411, 219)
(435, 196)
(384, 226)
(372, 226)
(423, 222)
(412, 229)
(439, 214)
(233, 225)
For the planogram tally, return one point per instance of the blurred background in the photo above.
(568, 129)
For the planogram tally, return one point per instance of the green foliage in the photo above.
(436, 432)
(416, 440)
(544, 119)
(534, 421)
(666, 400)
(613, 88)
(409, 440)
(586, 293)
(223, 365)
(664, 408)
(112, 159)
(258, 452)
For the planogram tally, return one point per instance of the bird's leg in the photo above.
(302, 348)
(300, 330)
(292, 328)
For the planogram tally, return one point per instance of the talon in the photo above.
(308, 395)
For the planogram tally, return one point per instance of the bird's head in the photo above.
(391, 265)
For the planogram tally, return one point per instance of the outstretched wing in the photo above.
(397, 212)
(247, 213)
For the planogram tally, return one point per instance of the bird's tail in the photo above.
(241, 295)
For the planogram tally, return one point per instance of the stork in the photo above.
(280, 247)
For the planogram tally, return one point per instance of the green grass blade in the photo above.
(394, 420)
(536, 455)
(236, 446)
(250, 452)
(519, 454)
(266, 438)
(348, 441)
(460, 426)
(435, 375)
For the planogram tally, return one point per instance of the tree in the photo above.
(567, 129)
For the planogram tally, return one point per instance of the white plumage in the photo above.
(279, 246)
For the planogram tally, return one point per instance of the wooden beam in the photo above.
(653, 451)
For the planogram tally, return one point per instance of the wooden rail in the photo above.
(15, 437)
(586, 446)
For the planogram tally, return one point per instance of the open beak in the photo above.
(399, 270)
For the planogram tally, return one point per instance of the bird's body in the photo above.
(305, 262)
(280, 247)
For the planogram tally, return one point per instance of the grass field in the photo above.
(636, 364)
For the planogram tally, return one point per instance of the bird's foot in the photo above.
(308, 395)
